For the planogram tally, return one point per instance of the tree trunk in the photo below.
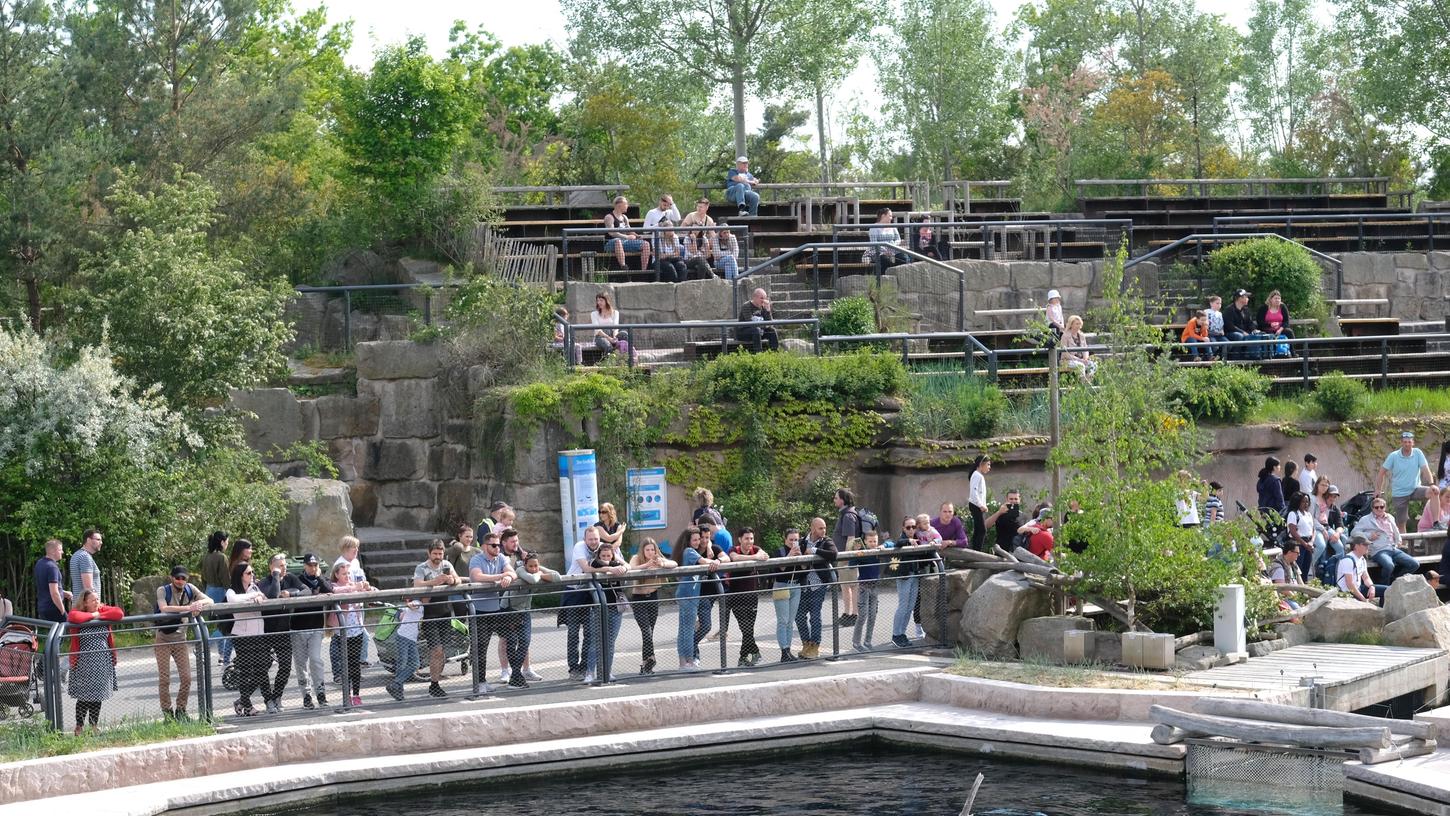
(737, 90)
(821, 134)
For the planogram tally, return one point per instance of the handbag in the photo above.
(780, 594)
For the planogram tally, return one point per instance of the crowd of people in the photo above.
(700, 249)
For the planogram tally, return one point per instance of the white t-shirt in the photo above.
(581, 552)
(1304, 522)
(656, 215)
(977, 490)
(1188, 509)
(1348, 572)
(408, 616)
(1307, 478)
(354, 568)
(597, 319)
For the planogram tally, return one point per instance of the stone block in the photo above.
(1068, 276)
(1384, 269)
(319, 514)
(360, 268)
(1358, 268)
(1042, 638)
(1033, 278)
(1295, 634)
(1196, 658)
(407, 518)
(397, 360)
(1148, 650)
(958, 589)
(542, 530)
(1342, 618)
(394, 459)
(448, 462)
(348, 456)
(1107, 647)
(1407, 595)
(702, 300)
(1439, 260)
(340, 416)
(1426, 628)
(1259, 648)
(643, 297)
(364, 503)
(993, 614)
(409, 409)
(307, 314)
(408, 494)
(456, 501)
(1077, 646)
(272, 418)
(143, 593)
(985, 275)
(1412, 260)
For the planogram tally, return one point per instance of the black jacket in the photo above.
(1240, 320)
(825, 560)
(311, 617)
(281, 619)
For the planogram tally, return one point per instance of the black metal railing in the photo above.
(1359, 220)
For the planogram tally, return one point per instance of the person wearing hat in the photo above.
(177, 596)
(308, 631)
(1053, 313)
(1352, 572)
(1409, 475)
(1239, 322)
(278, 583)
(739, 187)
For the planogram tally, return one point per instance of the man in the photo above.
(848, 527)
(181, 597)
(700, 216)
(307, 634)
(744, 598)
(491, 568)
(1352, 572)
(1409, 474)
(665, 210)
(1308, 474)
(577, 602)
(713, 528)
(51, 597)
(1039, 534)
(500, 515)
(277, 627)
(740, 187)
(818, 578)
(1383, 534)
(1006, 520)
(437, 614)
(84, 573)
(953, 532)
(620, 239)
(757, 311)
(1239, 323)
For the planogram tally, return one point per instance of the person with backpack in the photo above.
(180, 597)
(849, 525)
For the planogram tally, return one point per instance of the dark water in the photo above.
(855, 778)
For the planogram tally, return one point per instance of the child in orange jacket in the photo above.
(1195, 334)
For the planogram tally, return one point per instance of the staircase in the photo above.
(792, 296)
(389, 556)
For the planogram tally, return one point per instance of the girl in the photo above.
(644, 598)
(1437, 511)
(1213, 505)
(254, 659)
(347, 623)
(1053, 314)
(868, 570)
(687, 594)
(786, 594)
(977, 501)
(1271, 487)
(1074, 344)
(532, 576)
(92, 658)
(606, 559)
(608, 339)
(1300, 521)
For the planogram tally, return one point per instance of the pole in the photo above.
(1054, 408)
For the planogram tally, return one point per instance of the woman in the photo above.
(254, 659)
(1187, 501)
(1271, 487)
(611, 565)
(687, 594)
(644, 598)
(92, 658)
(216, 574)
(347, 623)
(883, 232)
(1442, 472)
(977, 501)
(461, 550)
(611, 529)
(1074, 347)
(1291, 484)
(1300, 521)
(786, 593)
(914, 531)
(1327, 532)
(1273, 316)
(608, 339)
(1437, 511)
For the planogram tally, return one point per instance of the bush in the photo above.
(850, 315)
(855, 379)
(1222, 393)
(1262, 265)
(953, 407)
(1339, 396)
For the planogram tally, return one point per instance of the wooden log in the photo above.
(1025, 556)
(1294, 589)
(1191, 640)
(1296, 715)
(1374, 756)
(1301, 736)
(1167, 734)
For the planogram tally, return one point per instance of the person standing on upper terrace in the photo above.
(620, 239)
(740, 187)
(755, 312)
(1408, 472)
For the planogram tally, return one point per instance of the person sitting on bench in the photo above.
(1239, 324)
(757, 311)
(740, 187)
(619, 241)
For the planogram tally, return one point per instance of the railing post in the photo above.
(1430, 232)
(816, 335)
(427, 306)
(475, 668)
(724, 628)
(347, 319)
(992, 364)
(205, 699)
(54, 709)
(835, 620)
(961, 300)
(1384, 362)
(603, 655)
(1360, 224)
(1304, 363)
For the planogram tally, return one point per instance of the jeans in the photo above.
(1393, 563)
(616, 615)
(689, 619)
(906, 590)
(576, 612)
(868, 599)
(758, 338)
(508, 626)
(1215, 344)
(223, 643)
(785, 612)
(279, 647)
(672, 269)
(741, 194)
(704, 621)
(745, 608)
(729, 266)
(307, 659)
(646, 613)
(406, 659)
(353, 649)
(1198, 348)
(808, 615)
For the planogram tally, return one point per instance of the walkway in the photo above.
(1353, 676)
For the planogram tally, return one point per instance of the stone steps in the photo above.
(389, 556)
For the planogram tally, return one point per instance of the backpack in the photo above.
(1327, 569)
(170, 625)
(868, 521)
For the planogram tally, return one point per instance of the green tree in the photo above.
(181, 312)
(1282, 74)
(1204, 63)
(1403, 59)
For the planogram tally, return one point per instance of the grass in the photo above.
(1389, 402)
(1036, 673)
(34, 739)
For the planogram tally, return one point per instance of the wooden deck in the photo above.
(1353, 676)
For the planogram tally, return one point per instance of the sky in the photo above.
(385, 22)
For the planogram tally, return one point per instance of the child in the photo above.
(1195, 333)
(1053, 312)
(1216, 337)
(521, 599)
(406, 659)
(867, 599)
(726, 251)
(1213, 505)
(668, 256)
(347, 623)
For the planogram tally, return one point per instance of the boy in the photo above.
(1216, 336)
(1195, 335)
(868, 572)
(1213, 505)
(406, 659)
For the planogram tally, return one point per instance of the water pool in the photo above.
(863, 777)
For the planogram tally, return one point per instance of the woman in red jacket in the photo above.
(92, 657)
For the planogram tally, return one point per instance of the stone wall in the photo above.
(660, 303)
(1415, 283)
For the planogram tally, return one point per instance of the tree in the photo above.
(1141, 119)
(619, 134)
(1204, 63)
(1281, 76)
(1403, 59)
(951, 110)
(180, 312)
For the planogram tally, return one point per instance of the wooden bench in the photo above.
(1369, 326)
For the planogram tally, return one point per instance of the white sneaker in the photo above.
(503, 676)
(691, 666)
(589, 679)
(919, 632)
(485, 688)
(532, 676)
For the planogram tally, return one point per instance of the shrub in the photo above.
(1222, 393)
(950, 406)
(850, 315)
(1264, 264)
(1339, 396)
(855, 379)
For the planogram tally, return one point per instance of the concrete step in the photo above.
(389, 555)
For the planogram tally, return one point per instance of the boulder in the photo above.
(958, 588)
(397, 360)
(408, 494)
(360, 268)
(393, 459)
(319, 514)
(342, 416)
(1342, 618)
(1041, 638)
(1259, 648)
(143, 593)
(1427, 628)
(993, 614)
(273, 419)
(1294, 634)
(1196, 658)
(1407, 595)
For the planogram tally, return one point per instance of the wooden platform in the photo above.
(1354, 676)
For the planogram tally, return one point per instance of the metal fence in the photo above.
(382, 650)
(1027, 239)
(1286, 222)
(1209, 187)
(336, 317)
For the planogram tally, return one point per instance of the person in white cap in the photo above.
(1053, 312)
(739, 187)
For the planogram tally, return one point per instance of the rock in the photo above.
(361, 268)
(1107, 647)
(143, 593)
(993, 614)
(393, 459)
(1259, 648)
(1342, 618)
(1033, 278)
(448, 462)
(958, 588)
(1196, 658)
(1427, 628)
(408, 494)
(409, 408)
(319, 514)
(273, 419)
(1407, 595)
(397, 360)
(1041, 638)
(340, 416)
(1295, 634)
(642, 297)
(702, 299)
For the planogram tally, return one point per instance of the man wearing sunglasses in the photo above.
(181, 597)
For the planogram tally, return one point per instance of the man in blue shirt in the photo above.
(50, 594)
(719, 536)
(740, 187)
(492, 567)
(1410, 478)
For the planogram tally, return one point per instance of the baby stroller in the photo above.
(1357, 508)
(19, 670)
(456, 650)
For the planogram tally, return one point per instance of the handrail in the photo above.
(1358, 219)
(722, 325)
(1372, 184)
(906, 338)
(1200, 238)
(987, 228)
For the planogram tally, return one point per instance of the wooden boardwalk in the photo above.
(1353, 676)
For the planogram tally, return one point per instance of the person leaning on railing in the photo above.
(786, 593)
(532, 578)
(691, 548)
(644, 598)
(744, 600)
(346, 623)
(181, 597)
(248, 637)
(92, 657)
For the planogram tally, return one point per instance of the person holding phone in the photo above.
(1007, 518)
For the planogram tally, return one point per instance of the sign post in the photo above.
(648, 505)
(578, 495)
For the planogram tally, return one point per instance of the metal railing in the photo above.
(916, 191)
(1246, 186)
(382, 300)
(599, 236)
(1051, 231)
(573, 355)
(1198, 240)
(1358, 219)
(971, 346)
(559, 195)
(960, 192)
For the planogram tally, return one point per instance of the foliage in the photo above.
(1222, 393)
(32, 740)
(312, 453)
(850, 315)
(953, 407)
(1261, 265)
(1339, 396)
(504, 328)
(1283, 70)
(851, 380)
